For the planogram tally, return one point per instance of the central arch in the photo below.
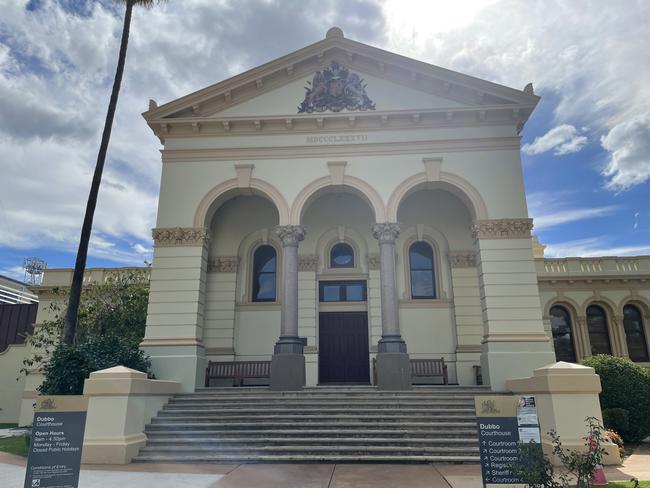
(350, 184)
(454, 184)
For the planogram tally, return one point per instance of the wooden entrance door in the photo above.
(343, 347)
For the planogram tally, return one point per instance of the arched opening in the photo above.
(264, 280)
(562, 330)
(598, 330)
(338, 229)
(342, 256)
(422, 271)
(637, 343)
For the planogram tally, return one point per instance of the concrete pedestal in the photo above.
(393, 371)
(287, 372)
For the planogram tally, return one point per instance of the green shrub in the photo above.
(616, 419)
(70, 365)
(626, 386)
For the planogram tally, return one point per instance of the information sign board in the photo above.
(503, 421)
(57, 439)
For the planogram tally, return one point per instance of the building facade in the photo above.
(343, 209)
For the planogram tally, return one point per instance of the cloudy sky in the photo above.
(586, 149)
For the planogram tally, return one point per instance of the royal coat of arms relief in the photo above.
(335, 88)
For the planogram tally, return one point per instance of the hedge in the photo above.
(625, 399)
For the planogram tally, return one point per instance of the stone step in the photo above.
(301, 458)
(157, 431)
(167, 441)
(357, 450)
(384, 403)
(321, 410)
(191, 424)
(307, 418)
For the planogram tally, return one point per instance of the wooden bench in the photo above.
(423, 368)
(238, 371)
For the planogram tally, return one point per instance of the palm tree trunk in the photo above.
(70, 323)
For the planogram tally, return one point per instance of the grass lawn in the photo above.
(7, 426)
(14, 445)
(628, 484)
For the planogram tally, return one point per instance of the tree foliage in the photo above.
(115, 309)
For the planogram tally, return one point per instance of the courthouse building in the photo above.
(343, 209)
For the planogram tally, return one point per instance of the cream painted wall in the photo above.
(12, 382)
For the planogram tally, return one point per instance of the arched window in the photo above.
(342, 256)
(598, 330)
(637, 346)
(562, 334)
(423, 283)
(265, 265)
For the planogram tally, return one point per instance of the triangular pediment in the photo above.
(392, 82)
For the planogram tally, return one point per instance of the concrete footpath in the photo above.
(12, 474)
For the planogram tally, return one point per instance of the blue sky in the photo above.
(586, 155)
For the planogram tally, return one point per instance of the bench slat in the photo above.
(237, 370)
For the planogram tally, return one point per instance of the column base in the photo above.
(289, 345)
(393, 371)
(287, 372)
(182, 363)
(498, 358)
(391, 343)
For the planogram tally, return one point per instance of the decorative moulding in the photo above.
(373, 261)
(432, 168)
(337, 171)
(462, 259)
(244, 173)
(502, 229)
(223, 264)
(181, 236)
(307, 262)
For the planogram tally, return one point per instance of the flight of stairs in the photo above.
(323, 424)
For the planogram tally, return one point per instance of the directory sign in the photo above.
(503, 421)
(57, 438)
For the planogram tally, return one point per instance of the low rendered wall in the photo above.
(12, 383)
(121, 402)
(565, 394)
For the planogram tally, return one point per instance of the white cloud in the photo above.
(563, 139)
(629, 145)
(15, 272)
(592, 247)
(551, 209)
(591, 55)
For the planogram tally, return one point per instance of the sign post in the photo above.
(57, 439)
(504, 421)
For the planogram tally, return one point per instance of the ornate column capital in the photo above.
(290, 235)
(462, 259)
(180, 236)
(502, 228)
(385, 233)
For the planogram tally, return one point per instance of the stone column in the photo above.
(513, 331)
(393, 368)
(288, 363)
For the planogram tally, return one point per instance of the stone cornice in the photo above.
(340, 122)
(462, 259)
(502, 229)
(223, 264)
(180, 236)
(307, 262)
(340, 150)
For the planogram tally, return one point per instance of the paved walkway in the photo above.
(12, 473)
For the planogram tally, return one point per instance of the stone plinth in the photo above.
(566, 394)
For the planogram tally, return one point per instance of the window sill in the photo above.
(257, 306)
(426, 303)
